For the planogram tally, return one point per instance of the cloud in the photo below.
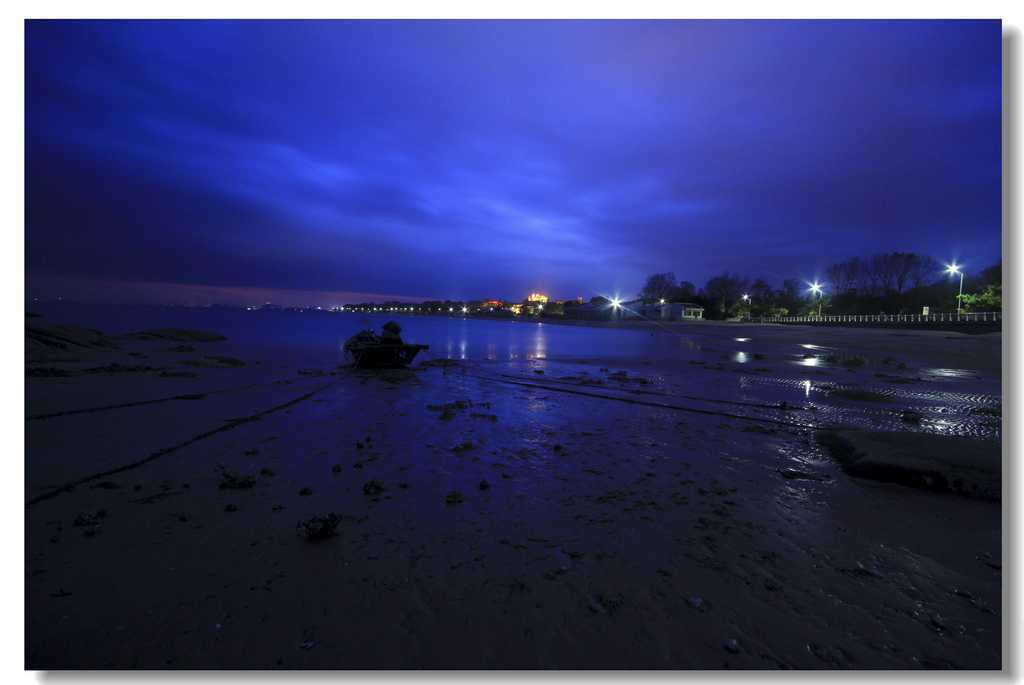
(456, 158)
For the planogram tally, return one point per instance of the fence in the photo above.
(965, 317)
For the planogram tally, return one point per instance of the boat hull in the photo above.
(382, 356)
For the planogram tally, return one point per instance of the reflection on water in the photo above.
(948, 374)
(501, 340)
(880, 408)
(540, 342)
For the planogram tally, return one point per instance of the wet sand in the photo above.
(506, 514)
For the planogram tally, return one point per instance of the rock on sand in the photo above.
(941, 463)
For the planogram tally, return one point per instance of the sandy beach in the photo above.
(189, 507)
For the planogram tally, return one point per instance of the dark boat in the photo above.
(367, 350)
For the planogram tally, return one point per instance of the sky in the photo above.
(314, 163)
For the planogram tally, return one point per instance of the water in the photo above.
(683, 367)
(320, 335)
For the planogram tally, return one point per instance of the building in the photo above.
(671, 311)
(537, 297)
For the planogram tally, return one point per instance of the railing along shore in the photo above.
(964, 317)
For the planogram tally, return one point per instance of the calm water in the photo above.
(954, 403)
(320, 335)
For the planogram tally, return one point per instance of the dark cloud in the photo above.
(471, 159)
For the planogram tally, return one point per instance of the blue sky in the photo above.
(314, 162)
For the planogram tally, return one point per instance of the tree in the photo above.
(988, 300)
(762, 298)
(684, 292)
(792, 298)
(723, 293)
(922, 272)
(658, 286)
(842, 277)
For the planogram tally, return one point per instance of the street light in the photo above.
(816, 288)
(953, 268)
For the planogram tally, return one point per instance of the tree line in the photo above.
(893, 283)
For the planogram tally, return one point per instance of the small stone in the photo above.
(695, 602)
(230, 507)
(235, 482)
(320, 527)
(373, 487)
(267, 471)
(336, 468)
(732, 646)
(829, 654)
(454, 497)
(484, 485)
(86, 520)
(306, 491)
(912, 416)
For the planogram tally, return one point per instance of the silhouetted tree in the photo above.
(722, 293)
(842, 277)
(684, 292)
(658, 286)
(923, 272)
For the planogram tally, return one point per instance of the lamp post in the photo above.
(816, 288)
(953, 268)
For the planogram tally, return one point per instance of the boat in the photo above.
(367, 350)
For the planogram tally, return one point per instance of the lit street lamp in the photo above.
(816, 288)
(953, 268)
